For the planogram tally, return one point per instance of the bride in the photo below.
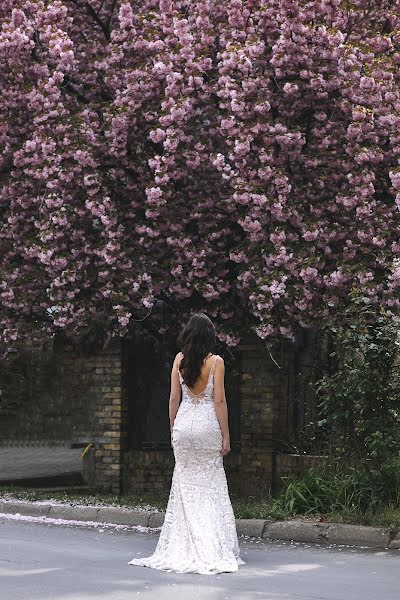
(199, 531)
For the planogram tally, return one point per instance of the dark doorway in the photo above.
(147, 381)
(147, 372)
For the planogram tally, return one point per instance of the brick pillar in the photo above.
(260, 394)
(108, 417)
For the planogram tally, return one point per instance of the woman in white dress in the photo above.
(199, 531)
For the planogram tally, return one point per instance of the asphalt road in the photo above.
(44, 561)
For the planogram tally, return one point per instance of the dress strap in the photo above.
(179, 373)
(213, 365)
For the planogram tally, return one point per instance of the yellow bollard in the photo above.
(85, 450)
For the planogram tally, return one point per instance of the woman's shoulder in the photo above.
(178, 357)
(217, 357)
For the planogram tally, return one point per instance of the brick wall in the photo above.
(69, 397)
(66, 397)
(249, 466)
(264, 398)
(150, 471)
(107, 433)
(46, 399)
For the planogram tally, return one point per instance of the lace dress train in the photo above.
(199, 531)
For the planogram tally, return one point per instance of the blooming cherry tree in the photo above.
(240, 157)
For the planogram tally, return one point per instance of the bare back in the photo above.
(203, 379)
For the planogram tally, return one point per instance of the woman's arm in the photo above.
(221, 407)
(175, 393)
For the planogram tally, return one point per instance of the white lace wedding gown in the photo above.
(199, 531)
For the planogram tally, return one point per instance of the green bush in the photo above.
(336, 488)
(359, 392)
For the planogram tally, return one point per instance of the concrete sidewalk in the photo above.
(30, 462)
(294, 530)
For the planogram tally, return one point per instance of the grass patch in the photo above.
(388, 517)
(324, 493)
(244, 508)
(90, 498)
(258, 508)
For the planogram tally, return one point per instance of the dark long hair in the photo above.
(195, 340)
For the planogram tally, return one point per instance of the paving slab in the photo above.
(124, 516)
(251, 527)
(25, 508)
(156, 519)
(395, 542)
(302, 531)
(79, 513)
(358, 535)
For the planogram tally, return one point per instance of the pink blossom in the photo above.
(216, 151)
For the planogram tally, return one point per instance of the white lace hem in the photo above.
(202, 568)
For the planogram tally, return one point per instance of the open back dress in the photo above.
(199, 531)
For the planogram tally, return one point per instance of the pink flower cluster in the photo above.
(244, 155)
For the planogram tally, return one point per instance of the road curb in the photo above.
(329, 533)
(294, 530)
